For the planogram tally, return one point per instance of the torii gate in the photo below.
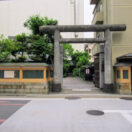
(107, 29)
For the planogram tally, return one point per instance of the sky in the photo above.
(88, 16)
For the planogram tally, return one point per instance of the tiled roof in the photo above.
(23, 64)
(123, 64)
(125, 56)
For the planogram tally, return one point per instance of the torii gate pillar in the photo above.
(108, 62)
(57, 63)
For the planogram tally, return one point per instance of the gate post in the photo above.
(61, 63)
(108, 62)
(101, 66)
(57, 64)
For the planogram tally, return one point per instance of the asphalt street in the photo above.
(9, 107)
(69, 115)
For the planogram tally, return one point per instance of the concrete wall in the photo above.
(13, 13)
(25, 88)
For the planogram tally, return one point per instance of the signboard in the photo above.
(9, 74)
(87, 71)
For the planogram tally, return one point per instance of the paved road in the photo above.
(63, 115)
(9, 107)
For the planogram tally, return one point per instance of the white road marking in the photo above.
(81, 90)
(124, 113)
(118, 111)
(128, 117)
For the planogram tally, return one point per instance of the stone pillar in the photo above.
(101, 66)
(108, 62)
(57, 65)
(61, 63)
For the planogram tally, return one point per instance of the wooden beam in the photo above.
(82, 40)
(84, 28)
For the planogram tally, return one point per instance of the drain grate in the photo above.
(95, 112)
(126, 98)
(72, 97)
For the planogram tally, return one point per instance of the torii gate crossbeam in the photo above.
(82, 40)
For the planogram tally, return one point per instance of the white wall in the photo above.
(13, 13)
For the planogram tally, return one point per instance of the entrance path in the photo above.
(77, 85)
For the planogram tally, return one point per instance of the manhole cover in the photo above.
(95, 112)
(72, 97)
(126, 98)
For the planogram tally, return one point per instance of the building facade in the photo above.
(14, 13)
(123, 74)
(88, 48)
(112, 12)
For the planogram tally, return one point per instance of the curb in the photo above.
(64, 95)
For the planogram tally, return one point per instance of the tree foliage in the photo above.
(6, 47)
(21, 44)
(76, 59)
(67, 53)
(41, 44)
(80, 60)
(37, 47)
(39, 50)
(33, 23)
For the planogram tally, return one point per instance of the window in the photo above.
(89, 51)
(99, 7)
(17, 73)
(125, 74)
(9, 74)
(32, 74)
(47, 73)
(1, 73)
(118, 74)
(51, 74)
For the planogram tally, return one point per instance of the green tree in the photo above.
(80, 60)
(38, 46)
(39, 50)
(7, 45)
(21, 44)
(67, 53)
(41, 44)
(33, 23)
